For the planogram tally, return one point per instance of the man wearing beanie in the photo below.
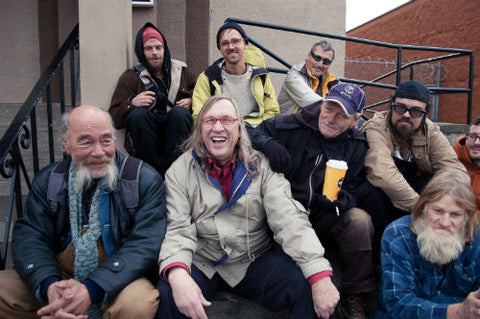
(153, 101)
(246, 83)
(406, 148)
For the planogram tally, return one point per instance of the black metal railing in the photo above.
(450, 53)
(19, 136)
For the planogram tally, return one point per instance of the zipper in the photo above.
(318, 160)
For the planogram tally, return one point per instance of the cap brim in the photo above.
(342, 103)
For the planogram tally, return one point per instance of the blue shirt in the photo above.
(413, 287)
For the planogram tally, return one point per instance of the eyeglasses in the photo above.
(235, 42)
(225, 121)
(415, 112)
(473, 137)
(319, 58)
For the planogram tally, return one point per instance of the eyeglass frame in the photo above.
(204, 119)
(469, 137)
(225, 43)
(319, 58)
(409, 110)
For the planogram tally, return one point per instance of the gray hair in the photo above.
(65, 128)
(326, 46)
(245, 152)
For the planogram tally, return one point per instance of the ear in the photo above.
(66, 146)
(354, 122)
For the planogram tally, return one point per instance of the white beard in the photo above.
(435, 248)
(83, 178)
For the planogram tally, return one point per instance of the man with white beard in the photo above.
(86, 252)
(431, 258)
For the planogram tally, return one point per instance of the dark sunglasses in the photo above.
(415, 112)
(318, 58)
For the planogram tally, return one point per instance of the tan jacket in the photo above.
(430, 149)
(197, 233)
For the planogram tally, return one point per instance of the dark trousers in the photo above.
(351, 234)
(273, 280)
(156, 136)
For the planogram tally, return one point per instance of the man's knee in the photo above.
(179, 115)
(137, 117)
(359, 219)
(16, 300)
(137, 300)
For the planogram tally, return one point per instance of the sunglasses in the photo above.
(318, 58)
(415, 112)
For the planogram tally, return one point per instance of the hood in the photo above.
(462, 153)
(167, 60)
(307, 116)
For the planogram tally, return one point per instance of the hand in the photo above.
(468, 309)
(185, 103)
(342, 201)
(325, 297)
(144, 99)
(187, 295)
(279, 157)
(322, 203)
(69, 296)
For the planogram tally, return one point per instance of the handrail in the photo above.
(454, 53)
(18, 135)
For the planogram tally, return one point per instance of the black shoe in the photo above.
(351, 306)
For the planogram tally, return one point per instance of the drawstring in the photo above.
(250, 255)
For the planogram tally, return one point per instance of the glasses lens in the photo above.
(318, 58)
(399, 108)
(473, 137)
(416, 112)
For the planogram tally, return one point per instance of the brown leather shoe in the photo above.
(351, 306)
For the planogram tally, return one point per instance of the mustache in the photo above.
(103, 160)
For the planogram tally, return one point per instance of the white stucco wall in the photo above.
(19, 63)
(322, 16)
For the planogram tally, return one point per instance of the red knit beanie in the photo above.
(150, 32)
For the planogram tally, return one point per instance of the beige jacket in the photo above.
(198, 233)
(430, 149)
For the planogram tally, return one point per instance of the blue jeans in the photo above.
(273, 280)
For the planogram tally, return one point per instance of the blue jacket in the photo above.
(134, 242)
(412, 287)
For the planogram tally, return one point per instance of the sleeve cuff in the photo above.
(176, 264)
(41, 293)
(97, 294)
(319, 275)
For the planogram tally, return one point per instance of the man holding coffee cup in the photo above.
(300, 145)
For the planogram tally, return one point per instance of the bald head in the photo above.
(88, 138)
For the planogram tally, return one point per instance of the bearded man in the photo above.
(405, 148)
(87, 255)
(431, 259)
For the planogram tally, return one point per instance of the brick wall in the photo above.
(438, 23)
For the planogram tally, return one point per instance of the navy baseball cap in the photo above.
(349, 96)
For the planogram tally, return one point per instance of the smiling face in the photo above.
(233, 53)
(333, 121)
(318, 68)
(219, 139)
(473, 146)
(90, 140)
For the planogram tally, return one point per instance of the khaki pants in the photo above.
(137, 300)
